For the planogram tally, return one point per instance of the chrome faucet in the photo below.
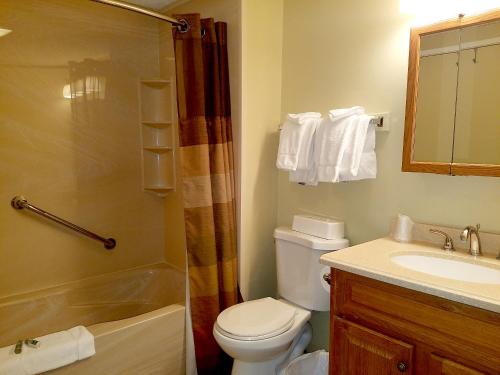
(448, 242)
(472, 233)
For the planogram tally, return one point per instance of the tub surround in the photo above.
(373, 259)
(147, 344)
(105, 298)
(78, 157)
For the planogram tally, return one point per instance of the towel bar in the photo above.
(377, 121)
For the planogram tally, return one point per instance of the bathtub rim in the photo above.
(65, 287)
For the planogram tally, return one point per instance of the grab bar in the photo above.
(20, 202)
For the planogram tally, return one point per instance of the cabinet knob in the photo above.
(328, 278)
(402, 366)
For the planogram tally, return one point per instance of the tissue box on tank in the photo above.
(318, 226)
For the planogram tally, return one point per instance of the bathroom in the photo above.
(90, 132)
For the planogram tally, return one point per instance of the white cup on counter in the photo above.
(403, 229)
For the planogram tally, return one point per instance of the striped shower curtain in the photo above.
(207, 177)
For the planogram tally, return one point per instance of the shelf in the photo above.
(161, 191)
(157, 103)
(157, 124)
(156, 99)
(158, 149)
(157, 136)
(159, 188)
(156, 82)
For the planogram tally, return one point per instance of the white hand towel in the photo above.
(368, 161)
(305, 176)
(55, 350)
(296, 140)
(306, 168)
(355, 141)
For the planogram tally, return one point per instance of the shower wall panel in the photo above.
(70, 140)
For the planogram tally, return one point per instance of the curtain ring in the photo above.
(184, 26)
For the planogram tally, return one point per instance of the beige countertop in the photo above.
(373, 259)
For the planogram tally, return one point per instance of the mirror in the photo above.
(452, 121)
(477, 129)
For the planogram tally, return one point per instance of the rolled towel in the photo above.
(54, 351)
(338, 114)
(296, 141)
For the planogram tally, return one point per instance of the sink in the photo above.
(454, 269)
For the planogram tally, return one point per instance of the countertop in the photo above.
(373, 259)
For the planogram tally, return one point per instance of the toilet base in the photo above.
(276, 365)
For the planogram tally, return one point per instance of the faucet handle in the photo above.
(448, 241)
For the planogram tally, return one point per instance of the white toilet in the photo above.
(265, 334)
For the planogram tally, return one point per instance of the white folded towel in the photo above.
(333, 139)
(55, 350)
(296, 141)
(340, 146)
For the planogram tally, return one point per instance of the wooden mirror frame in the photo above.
(409, 165)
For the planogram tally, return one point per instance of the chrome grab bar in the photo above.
(20, 202)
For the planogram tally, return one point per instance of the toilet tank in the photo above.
(300, 275)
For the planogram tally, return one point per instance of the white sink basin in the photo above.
(454, 269)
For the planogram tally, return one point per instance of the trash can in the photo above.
(315, 363)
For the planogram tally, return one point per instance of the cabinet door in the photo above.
(358, 350)
(442, 366)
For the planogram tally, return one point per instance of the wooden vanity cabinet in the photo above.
(378, 328)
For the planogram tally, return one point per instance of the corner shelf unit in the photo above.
(157, 135)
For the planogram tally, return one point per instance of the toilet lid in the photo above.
(256, 320)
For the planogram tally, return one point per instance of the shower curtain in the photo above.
(205, 134)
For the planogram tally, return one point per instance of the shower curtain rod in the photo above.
(182, 24)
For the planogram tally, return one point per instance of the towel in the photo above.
(296, 141)
(55, 350)
(345, 146)
(305, 176)
(367, 168)
(334, 139)
(355, 143)
(306, 168)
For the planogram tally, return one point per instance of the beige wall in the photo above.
(341, 53)
(261, 98)
(77, 158)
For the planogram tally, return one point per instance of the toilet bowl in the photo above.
(262, 344)
(263, 335)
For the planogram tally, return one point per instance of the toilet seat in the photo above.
(256, 320)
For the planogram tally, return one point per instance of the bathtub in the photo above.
(136, 316)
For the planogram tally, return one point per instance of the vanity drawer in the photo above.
(459, 332)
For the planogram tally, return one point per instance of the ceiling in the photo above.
(152, 4)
